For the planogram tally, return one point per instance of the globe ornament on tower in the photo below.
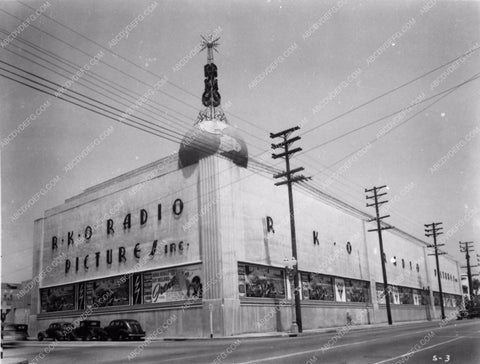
(211, 133)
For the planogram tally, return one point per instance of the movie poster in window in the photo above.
(406, 295)
(147, 287)
(320, 287)
(340, 294)
(356, 291)
(417, 297)
(380, 293)
(108, 292)
(261, 281)
(305, 283)
(58, 298)
(176, 284)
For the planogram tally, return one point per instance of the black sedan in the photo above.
(58, 331)
(90, 330)
(125, 330)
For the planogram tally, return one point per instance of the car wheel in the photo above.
(40, 337)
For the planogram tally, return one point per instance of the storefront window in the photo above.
(174, 284)
(57, 298)
(406, 295)
(356, 291)
(381, 294)
(260, 281)
(108, 292)
(340, 294)
(436, 298)
(417, 297)
(394, 295)
(317, 287)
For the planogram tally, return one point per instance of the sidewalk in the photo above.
(307, 332)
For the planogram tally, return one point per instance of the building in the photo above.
(195, 245)
(15, 302)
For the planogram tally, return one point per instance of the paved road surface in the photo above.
(457, 342)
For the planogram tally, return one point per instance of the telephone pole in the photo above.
(434, 229)
(290, 179)
(376, 195)
(466, 247)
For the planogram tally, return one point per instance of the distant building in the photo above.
(15, 304)
(195, 243)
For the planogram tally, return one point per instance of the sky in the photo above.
(280, 64)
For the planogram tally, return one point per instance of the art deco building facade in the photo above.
(195, 244)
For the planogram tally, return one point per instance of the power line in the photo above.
(390, 91)
(89, 73)
(135, 64)
(83, 106)
(175, 133)
(100, 61)
(405, 121)
(386, 116)
(83, 84)
(65, 62)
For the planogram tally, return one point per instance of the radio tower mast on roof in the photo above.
(211, 97)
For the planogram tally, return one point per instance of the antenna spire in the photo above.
(211, 97)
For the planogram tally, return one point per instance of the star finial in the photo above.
(210, 44)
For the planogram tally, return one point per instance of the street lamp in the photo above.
(291, 268)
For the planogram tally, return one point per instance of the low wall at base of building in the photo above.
(158, 322)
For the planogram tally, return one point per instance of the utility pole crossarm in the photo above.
(290, 179)
(467, 247)
(433, 229)
(379, 229)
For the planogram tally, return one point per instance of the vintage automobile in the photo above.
(12, 334)
(58, 331)
(125, 330)
(90, 330)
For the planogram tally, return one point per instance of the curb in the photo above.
(288, 334)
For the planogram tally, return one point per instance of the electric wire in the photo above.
(390, 91)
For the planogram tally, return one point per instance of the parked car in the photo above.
(22, 330)
(12, 334)
(58, 331)
(125, 330)
(462, 314)
(90, 330)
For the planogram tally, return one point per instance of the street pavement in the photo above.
(427, 342)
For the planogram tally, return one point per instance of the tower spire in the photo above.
(211, 97)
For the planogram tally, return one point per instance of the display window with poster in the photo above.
(394, 295)
(340, 294)
(406, 295)
(107, 292)
(317, 287)
(417, 297)
(61, 298)
(380, 293)
(357, 291)
(174, 284)
(260, 281)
